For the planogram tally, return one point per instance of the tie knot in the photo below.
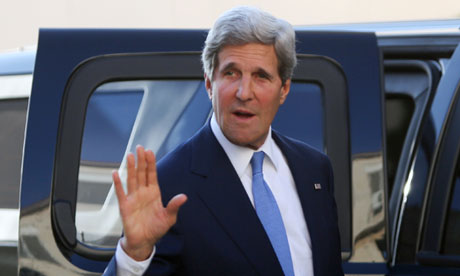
(257, 161)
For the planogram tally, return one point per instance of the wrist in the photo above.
(140, 253)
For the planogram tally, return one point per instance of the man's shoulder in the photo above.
(177, 156)
(181, 157)
(306, 156)
(173, 171)
(297, 147)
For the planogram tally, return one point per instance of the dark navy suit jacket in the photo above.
(218, 231)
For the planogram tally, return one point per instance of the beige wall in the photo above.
(21, 19)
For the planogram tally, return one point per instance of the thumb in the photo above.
(174, 204)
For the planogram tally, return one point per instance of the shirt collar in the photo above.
(241, 156)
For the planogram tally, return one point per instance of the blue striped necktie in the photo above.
(269, 214)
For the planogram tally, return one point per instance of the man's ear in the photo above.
(208, 84)
(285, 88)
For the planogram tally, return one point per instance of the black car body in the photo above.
(383, 105)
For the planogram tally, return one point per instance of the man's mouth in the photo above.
(243, 114)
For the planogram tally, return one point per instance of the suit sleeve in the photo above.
(163, 260)
(111, 269)
(330, 176)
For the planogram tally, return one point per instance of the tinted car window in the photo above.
(121, 115)
(451, 244)
(12, 123)
(301, 115)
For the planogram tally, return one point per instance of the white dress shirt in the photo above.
(279, 178)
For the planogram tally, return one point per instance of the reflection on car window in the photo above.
(452, 238)
(121, 115)
(12, 123)
(160, 115)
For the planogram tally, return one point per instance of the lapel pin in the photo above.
(317, 186)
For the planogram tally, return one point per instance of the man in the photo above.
(253, 203)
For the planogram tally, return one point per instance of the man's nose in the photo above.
(245, 91)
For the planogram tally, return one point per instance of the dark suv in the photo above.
(381, 101)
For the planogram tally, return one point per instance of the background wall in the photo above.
(21, 19)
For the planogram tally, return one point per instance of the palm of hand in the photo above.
(145, 219)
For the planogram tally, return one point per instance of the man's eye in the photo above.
(229, 73)
(263, 76)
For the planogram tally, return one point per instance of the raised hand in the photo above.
(145, 219)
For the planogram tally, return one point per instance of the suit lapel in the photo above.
(223, 193)
(304, 181)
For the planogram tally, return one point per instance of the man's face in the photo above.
(246, 92)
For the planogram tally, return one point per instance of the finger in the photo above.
(151, 168)
(174, 205)
(118, 188)
(132, 174)
(141, 166)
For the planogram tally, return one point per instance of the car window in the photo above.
(451, 243)
(160, 115)
(399, 111)
(14, 92)
(115, 123)
(12, 123)
(301, 115)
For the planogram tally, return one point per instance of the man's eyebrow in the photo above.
(227, 66)
(259, 70)
(264, 72)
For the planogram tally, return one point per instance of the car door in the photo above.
(437, 244)
(98, 93)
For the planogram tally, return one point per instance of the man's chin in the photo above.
(248, 142)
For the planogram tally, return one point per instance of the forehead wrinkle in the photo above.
(240, 52)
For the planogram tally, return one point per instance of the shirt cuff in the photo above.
(127, 266)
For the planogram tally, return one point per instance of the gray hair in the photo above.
(242, 25)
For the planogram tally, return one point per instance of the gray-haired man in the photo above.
(251, 207)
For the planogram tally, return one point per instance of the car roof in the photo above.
(428, 27)
(17, 62)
